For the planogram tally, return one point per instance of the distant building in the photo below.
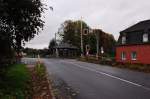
(134, 44)
(66, 50)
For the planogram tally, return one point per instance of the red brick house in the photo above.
(134, 44)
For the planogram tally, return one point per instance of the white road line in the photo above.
(106, 74)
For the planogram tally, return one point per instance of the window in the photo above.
(85, 31)
(123, 40)
(145, 37)
(134, 56)
(123, 56)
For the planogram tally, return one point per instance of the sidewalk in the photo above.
(41, 86)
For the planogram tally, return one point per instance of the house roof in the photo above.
(139, 26)
(65, 46)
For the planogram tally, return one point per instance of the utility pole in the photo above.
(81, 34)
(97, 45)
(97, 34)
(55, 37)
(56, 50)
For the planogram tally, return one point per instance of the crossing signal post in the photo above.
(81, 36)
(87, 50)
(88, 31)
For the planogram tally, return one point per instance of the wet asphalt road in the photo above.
(99, 82)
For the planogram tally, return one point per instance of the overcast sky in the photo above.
(111, 16)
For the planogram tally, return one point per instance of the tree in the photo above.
(20, 21)
(30, 52)
(52, 43)
(51, 46)
(108, 42)
(70, 33)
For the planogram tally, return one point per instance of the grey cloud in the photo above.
(110, 15)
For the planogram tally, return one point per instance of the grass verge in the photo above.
(40, 82)
(135, 67)
(15, 84)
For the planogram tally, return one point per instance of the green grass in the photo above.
(15, 82)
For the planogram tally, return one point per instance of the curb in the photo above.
(50, 87)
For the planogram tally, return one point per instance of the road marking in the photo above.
(106, 74)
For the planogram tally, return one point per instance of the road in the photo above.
(94, 81)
